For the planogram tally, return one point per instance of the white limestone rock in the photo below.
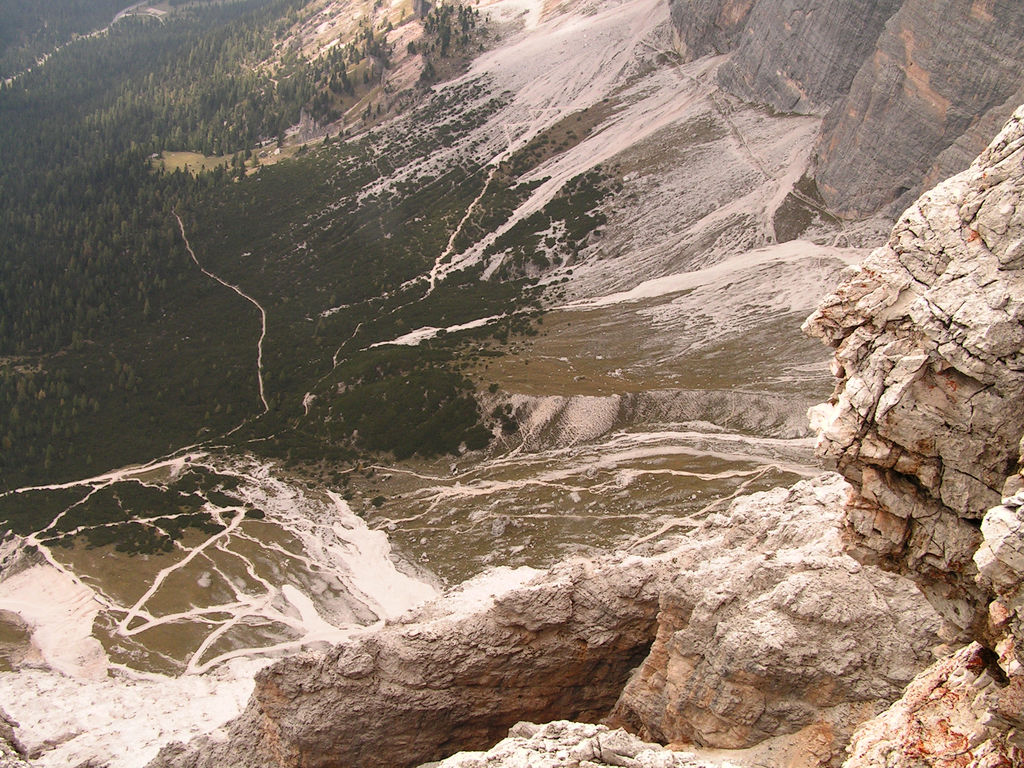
(768, 627)
(929, 355)
(561, 744)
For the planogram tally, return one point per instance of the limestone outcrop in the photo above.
(926, 417)
(763, 626)
(911, 90)
(562, 743)
(769, 628)
(926, 422)
(947, 717)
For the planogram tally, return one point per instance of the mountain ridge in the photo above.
(546, 309)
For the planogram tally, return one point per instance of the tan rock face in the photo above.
(926, 421)
(438, 682)
(768, 627)
(945, 719)
(929, 341)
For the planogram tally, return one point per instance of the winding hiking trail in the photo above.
(244, 295)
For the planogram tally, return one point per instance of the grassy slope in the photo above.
(302, 237)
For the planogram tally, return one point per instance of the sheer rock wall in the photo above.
(912, 90)
(945, 74)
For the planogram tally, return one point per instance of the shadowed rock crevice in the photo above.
(438, 682)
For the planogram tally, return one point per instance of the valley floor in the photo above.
(668, 377)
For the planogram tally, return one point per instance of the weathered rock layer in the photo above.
(926, 422)
(929, 341)
(441, 681)
(768, 627)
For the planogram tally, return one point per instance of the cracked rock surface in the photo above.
(929, 353)
(949, 716)
(769, 627)
(926, 422)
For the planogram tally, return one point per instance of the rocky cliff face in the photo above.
(800, 56)
(941, 79)
(926, 417)
(926, 422)
(912, 90)
(768, 628)
(761, 626)
(708, 26)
